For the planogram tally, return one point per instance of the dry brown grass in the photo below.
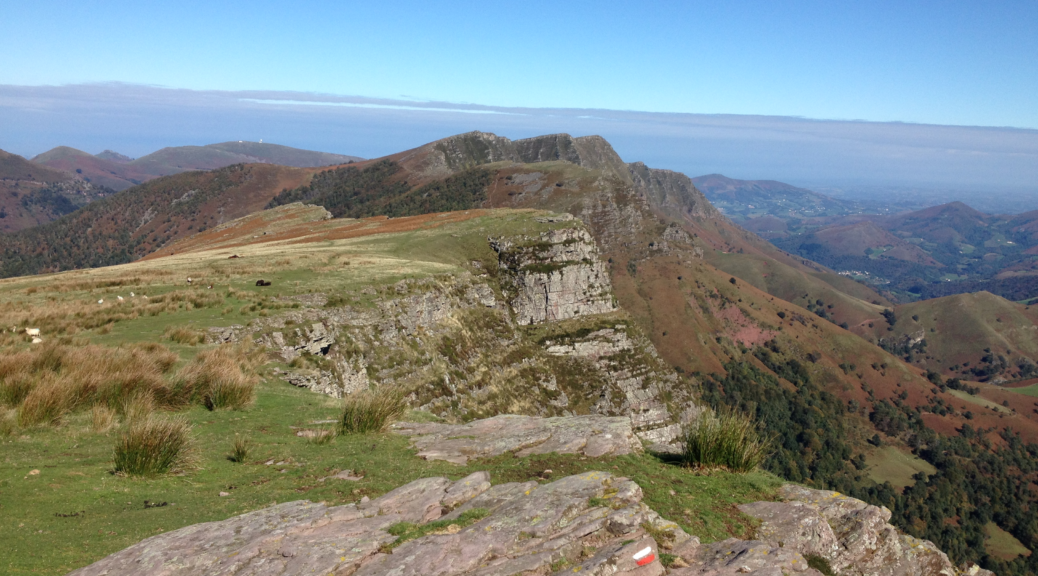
(103, 418)
(184, 335)
(221, 377)
(49, 381)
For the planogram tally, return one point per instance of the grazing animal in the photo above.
(188, 279)
(36, 340)
(101, 301)
(210, 287)
(32, 331)
(233, 256)
(120, 298)
(132, 295)
(262, 283)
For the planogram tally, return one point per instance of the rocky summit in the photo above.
(589, 523)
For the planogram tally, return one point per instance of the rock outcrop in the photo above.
(460, 341)
(856, 538)
(556, 276)
(592, 436)
(591, 523)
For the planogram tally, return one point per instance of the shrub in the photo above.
(371, 411)
(240, 449)
(727, 440)
(820, 564)
(153, 445)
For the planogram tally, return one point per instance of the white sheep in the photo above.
(101, 301)
(132, 295)
(36, 340)
(120, 298)
(32, 331)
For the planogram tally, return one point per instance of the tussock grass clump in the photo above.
(368, 411)
(48, 381)
(240, 449)
(321, 437)
(728, 440)
(103, 419)
(221, 377)
(183, 335)
(138, 407)
(8, 422)
(154, 445)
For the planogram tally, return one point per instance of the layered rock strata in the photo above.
(591, 436)
(556, 276)
(591, 523)
(534, 333)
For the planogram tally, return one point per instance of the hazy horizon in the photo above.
(854, 158)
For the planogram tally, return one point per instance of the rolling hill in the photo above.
(31, 194)
(119, 172)
(748, 200)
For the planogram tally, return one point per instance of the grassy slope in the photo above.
(24, 202)
(75, 464)
(888, 464)
(958, 328)
(1002, 544)
(115, 175)
(145, 218)
(299, 255)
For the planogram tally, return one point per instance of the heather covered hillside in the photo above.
(31, 194)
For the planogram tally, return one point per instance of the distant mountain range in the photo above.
(928, 253)
(119, 172)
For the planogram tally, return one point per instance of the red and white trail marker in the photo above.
(644, 556)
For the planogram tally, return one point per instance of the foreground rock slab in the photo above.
(593, 521)
(522, 435)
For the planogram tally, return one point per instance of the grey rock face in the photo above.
(853, 536)
(522, 435)
(527, 529)
(672, 192)
(734, 557)
(554, 277)
(457, 343)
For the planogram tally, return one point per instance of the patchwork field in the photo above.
(889, 464)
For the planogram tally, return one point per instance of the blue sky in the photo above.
(963, 63)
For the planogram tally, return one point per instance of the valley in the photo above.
(545, 277)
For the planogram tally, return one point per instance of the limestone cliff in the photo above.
(537, 333)
(556, 276)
